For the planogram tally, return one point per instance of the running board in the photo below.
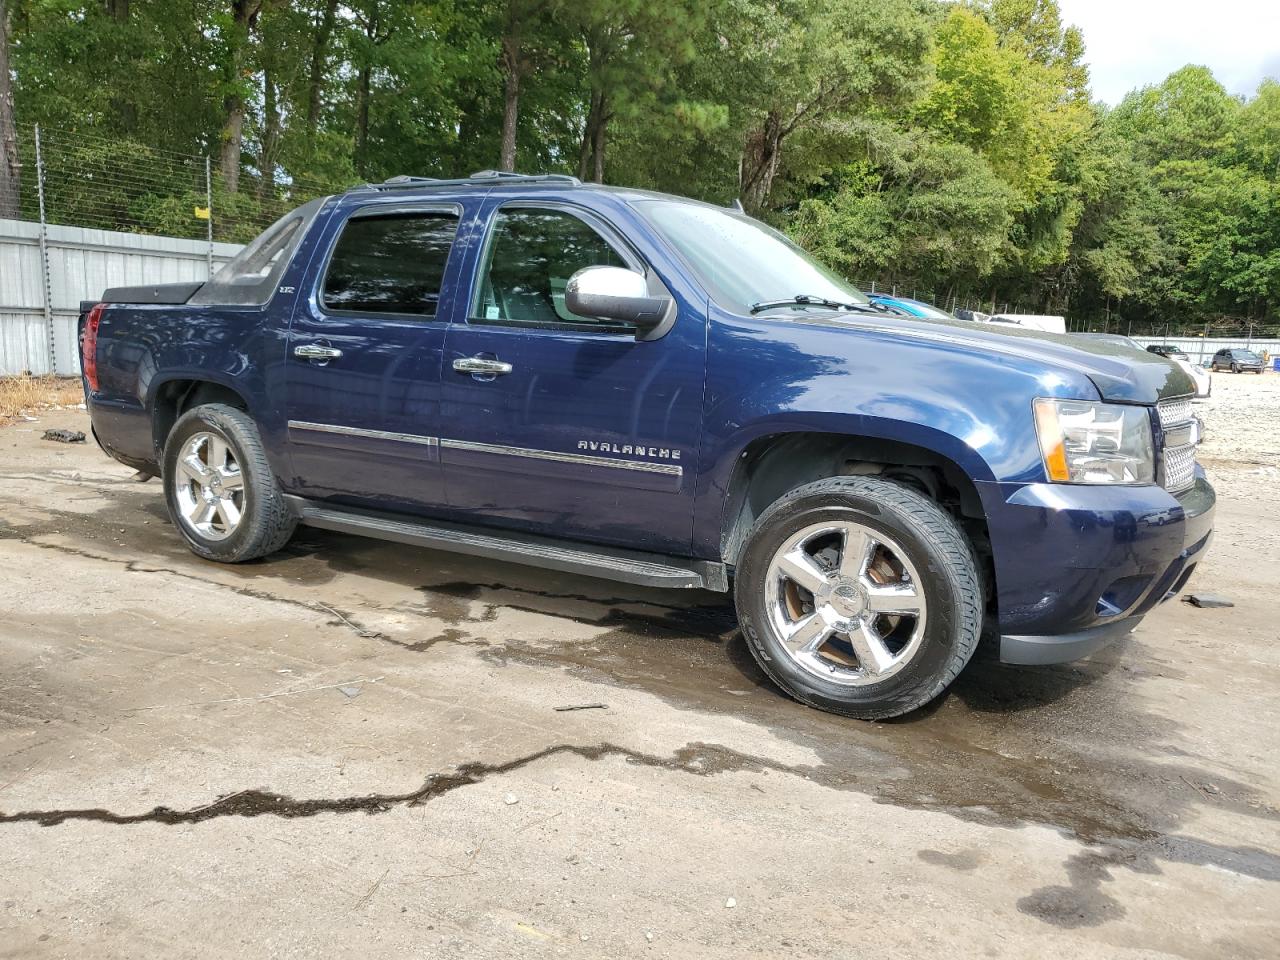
(609, 563)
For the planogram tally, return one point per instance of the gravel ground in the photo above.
(355, 747)
(1242, 420)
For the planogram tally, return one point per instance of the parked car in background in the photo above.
(1204, 382)
(1237, 360)
(1168, 351)
(1112, 338)
(1033, 321)
(912, 308)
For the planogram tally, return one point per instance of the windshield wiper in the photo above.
(805, 300)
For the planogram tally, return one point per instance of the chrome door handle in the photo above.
(481, 366)
(313, 351)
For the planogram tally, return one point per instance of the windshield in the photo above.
(1245, 355)
(741, 261)
(930, 312)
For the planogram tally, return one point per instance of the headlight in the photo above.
(1084, 442)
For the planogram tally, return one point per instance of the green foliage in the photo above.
(949, 145)
(915, 208)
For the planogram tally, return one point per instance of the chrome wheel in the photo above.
(846, 602)
(209, 487)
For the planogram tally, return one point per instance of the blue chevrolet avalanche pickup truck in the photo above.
(659, 391)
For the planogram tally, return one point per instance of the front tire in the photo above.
(221, 493)
(1235, 368)
(859, 596)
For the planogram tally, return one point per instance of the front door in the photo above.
(363, 359)
(560, 425)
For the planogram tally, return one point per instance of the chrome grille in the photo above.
(1178, 456)
(1174, 412)
(1179, 467)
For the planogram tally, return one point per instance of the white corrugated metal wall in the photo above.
(82, 263)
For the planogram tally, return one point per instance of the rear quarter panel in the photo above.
(141, 347)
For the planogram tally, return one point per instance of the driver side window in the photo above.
(531, 256)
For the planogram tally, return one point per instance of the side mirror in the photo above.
(612, 293)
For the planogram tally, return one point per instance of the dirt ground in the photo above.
(356, 746)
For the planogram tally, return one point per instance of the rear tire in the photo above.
(879, 577)
(219, 488)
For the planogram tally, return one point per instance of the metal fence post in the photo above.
(208, 204)
(44, 259)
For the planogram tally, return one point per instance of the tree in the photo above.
(913, 208)
(522, 21)
(237, 29)
(634, 50)
(822, 63)
(10, 165)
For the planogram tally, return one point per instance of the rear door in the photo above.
(362, 387)
(582, 432)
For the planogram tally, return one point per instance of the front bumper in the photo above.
(1077, 567)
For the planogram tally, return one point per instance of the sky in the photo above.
(1136, 43)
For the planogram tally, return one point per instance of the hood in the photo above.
(1120, 373)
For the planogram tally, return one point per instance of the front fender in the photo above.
(770, 376)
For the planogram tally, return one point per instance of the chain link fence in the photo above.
(116, 184)
(86, 212)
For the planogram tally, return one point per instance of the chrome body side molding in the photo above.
(616, 463)
(642, 466)
(362, 432)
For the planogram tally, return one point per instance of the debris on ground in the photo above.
(1208, 600)
(65, 436)
(582, 706)
(360, 631)
(140, 477)
(349, 692)
(510, 798)
(730, 903)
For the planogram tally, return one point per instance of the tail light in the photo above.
(89, 346)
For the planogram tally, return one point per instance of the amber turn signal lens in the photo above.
(1052, 444)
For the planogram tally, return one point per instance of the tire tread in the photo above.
(932, 524)
(272, 522)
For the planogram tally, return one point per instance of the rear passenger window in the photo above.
(532, 255)
(390, 264)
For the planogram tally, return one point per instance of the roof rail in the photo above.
(405, 181)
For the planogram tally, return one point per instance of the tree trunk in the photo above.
(512, 67)
(245, 16)
(10, 165)
(597, 141)
(594, 136)
(761, 160)
(362, 120)
(270, 133)
(232, 141)
(586, 153)
(319, 54)
(364, 94)
(122, 102)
